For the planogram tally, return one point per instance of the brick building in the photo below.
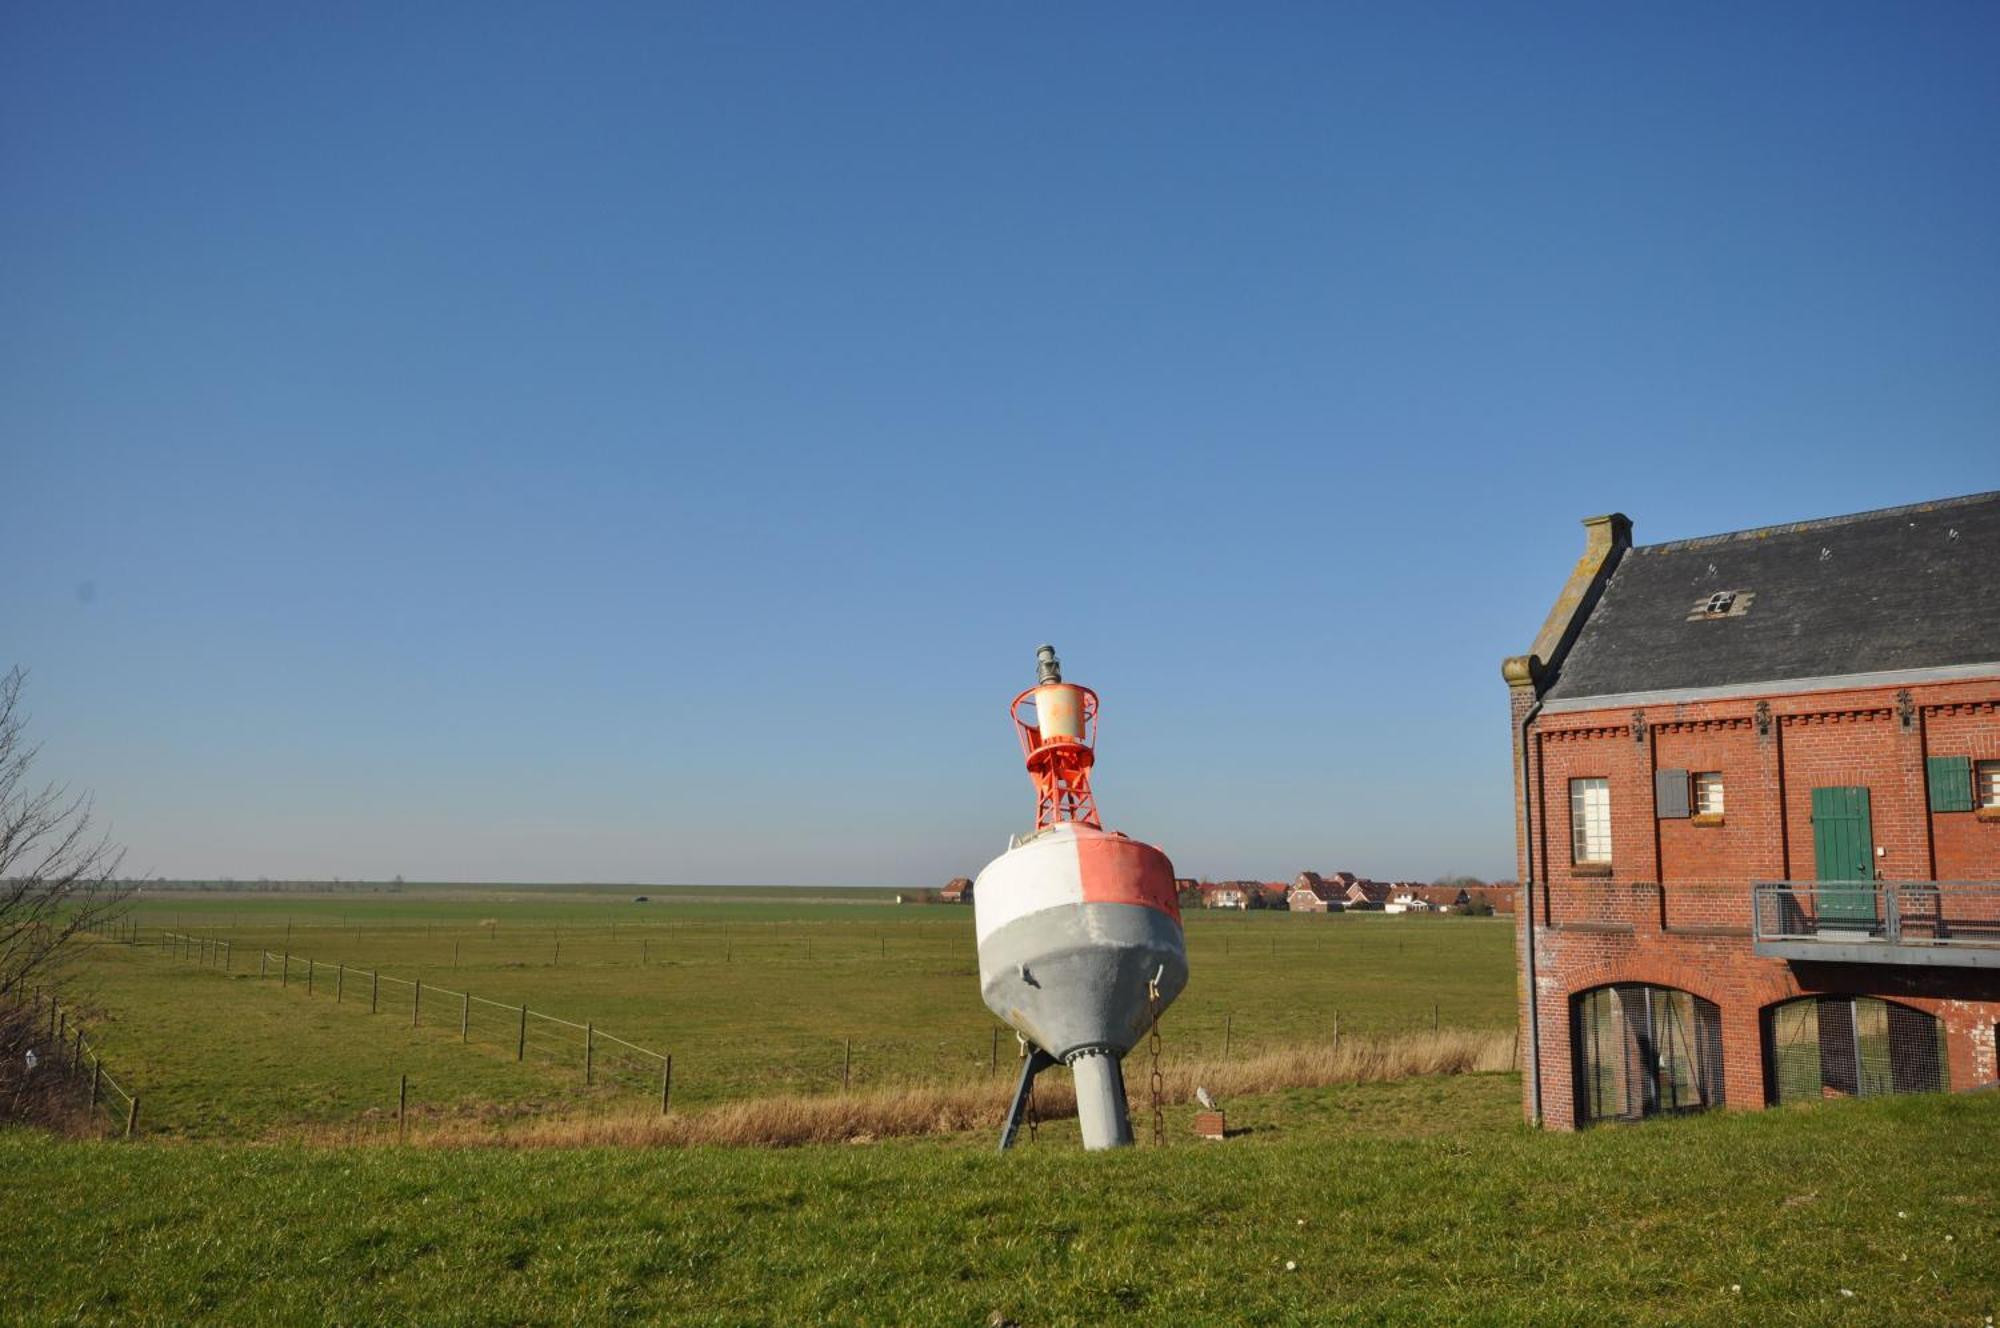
(1313, 893)
(1757, 811)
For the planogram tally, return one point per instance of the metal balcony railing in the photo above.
(1894, 922)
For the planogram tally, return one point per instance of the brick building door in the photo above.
(1844, 852)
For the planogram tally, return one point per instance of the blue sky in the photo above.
(648, 443)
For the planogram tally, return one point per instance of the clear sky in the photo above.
(599, 442)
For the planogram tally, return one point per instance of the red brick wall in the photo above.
(1963, 846)
(1675, 910)
(1603, 751)
(1749, 843)
(1870, 748)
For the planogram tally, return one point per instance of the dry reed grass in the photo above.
(953, 1108)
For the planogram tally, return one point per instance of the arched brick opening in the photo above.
(1643, 1049)
(1835, 1045)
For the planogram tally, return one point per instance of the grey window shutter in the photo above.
(1670, 793)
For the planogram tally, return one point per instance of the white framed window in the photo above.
(1986, 784)
(1708, 793)
(1590, 820)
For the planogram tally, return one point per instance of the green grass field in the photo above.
(1423, 1201)
(1415, 1201)
(752, 995)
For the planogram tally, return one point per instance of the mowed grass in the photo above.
(754, 994)
(1423, 1201)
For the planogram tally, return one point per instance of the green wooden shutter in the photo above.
(1670, 794)
(1951, 783)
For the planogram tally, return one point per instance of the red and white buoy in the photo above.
(1080, 945)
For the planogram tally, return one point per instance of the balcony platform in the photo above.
(1875, 951)
(1933, 924)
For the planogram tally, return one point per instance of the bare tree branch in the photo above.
(57, 875)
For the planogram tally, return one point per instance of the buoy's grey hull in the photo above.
(1074, 981)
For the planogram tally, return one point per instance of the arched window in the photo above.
(1850, 1046)
(1642, 1050)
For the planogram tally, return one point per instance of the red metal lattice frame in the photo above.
(1060, 768)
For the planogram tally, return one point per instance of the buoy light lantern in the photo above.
(1080, 944)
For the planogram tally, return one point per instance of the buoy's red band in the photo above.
(1116, 870)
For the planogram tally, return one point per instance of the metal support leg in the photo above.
(1038, 1060)
(1100, 1100)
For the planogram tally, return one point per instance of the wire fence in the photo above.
(547, 1039)
(72, 1055)
(390, 973)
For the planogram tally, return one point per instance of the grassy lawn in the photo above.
(752, 994)
(1416, 1202)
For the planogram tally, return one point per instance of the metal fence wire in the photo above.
(65, 1049)
(550, 1039)
(1850, 1046)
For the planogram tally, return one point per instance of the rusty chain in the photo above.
(1159, 1083)
(1034, 1116)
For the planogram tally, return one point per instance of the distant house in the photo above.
(958, 890)
(1228, 894)
(1403, 899)
(1313, 893)
(1368, 895)
(1445, 898)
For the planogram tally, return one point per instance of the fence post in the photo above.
(1226, 1021)
(340, 983)
(589, 1053)
(666, 1083)
(402, 1107)
(465, 1017)
(310, 967)
(558, 962)
(285, 977)
(416, 1002)
(228, 956)
(521, 1047)
(131, 1118)
(263, 961)
(846, 1060)
(374, 990)
(96, 1082)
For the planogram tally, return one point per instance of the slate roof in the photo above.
(1902, 588)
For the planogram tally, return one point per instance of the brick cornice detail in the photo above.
(1857, 714)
